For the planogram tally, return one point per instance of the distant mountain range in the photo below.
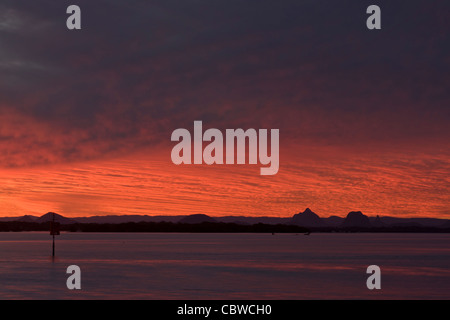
(307, 218)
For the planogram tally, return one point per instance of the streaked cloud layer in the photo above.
(138, 186)
(86, 116)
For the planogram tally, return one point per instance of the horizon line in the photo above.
(225, 216)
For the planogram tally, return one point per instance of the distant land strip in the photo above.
(205, 227)
(303, 222)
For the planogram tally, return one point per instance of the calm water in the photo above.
(225, 266)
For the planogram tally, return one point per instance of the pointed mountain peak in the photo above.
(308, 218)
(50, 214)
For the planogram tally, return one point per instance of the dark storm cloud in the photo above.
(139, 69)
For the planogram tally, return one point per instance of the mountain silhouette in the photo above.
(308, 219)
(356, 219)
(197, 218)
(58, 218)
(27, 218)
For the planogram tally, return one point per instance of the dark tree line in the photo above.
(205, 227)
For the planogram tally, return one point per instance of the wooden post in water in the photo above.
(53, 234)
(54, 231)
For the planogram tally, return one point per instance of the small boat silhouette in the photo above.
(308, 233)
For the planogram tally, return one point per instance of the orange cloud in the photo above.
(332, 183)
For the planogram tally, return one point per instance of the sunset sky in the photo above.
(86, 116)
